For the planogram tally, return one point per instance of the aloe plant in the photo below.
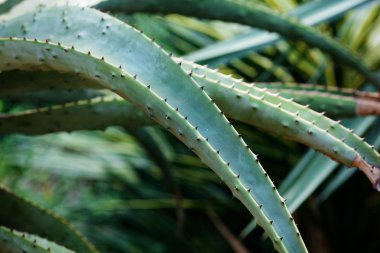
(89, 52)
(34, 220)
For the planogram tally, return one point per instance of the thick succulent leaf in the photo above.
(92, 114)
(251, 107)
(333, 90)
(335, 102)
(155, 83)
(12, 241)
(331, 104)
(344, 174)
(238, 101)
(303, 118)
(14, 8)
(251, 14)
(309, 173)
(310, 176)
(18, 82)
(306, 177)
(224, 90)
(22, 215)
(7, 5)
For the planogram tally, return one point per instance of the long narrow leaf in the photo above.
(146, 82)
(250, 14)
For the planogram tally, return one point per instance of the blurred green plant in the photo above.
(135, 188)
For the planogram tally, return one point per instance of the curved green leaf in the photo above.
(280, 86)
(311, 13)
(344, 174)
(309, 173)
(316, 121)
(20, 214)
(251, 14)
(12, 241)
(161, 95)
(335, 102)
(160, 88)
(92, 114)
(333, 105)
(8, 4)
(256, 107)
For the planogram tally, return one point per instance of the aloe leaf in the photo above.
(8, 4)
(16, 8)
(249, 107)
(309, 173)
(33, 52)
(335, 102)
(344, 174)
(280, 86)
(155, 84)
(311, 121)
(254, 106)
(46, 97)
(20, 214)
(312, 127)
(12, 241)
(92, 114)
(298, 188)
(306, 182)
(16, 82)
(332, 105)
(251, 14)
(44, 87)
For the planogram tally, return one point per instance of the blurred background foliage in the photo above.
(143, 191)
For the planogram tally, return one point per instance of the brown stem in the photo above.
(367, 107)
(375, 96)
(180, 212)
(234, 242)
(371, 171)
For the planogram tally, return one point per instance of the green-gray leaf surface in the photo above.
(144, 75)
(33, 219)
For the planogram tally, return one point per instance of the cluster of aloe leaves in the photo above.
(124, 78)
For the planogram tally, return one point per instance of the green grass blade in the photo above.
(297, 170)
